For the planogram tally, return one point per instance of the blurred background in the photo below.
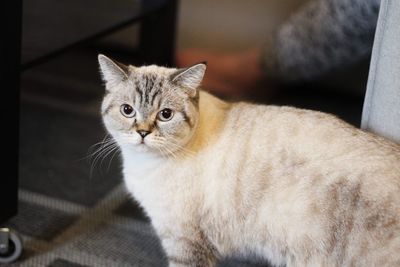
(231, 25)
(221, 25)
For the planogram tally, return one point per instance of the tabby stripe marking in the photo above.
(157, 91)
(138, 90)
(148, 88)
(153, 97)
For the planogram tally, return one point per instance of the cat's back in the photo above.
(302, 144)
(312, 134)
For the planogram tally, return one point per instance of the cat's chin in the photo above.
(144, 148)
(150, 150)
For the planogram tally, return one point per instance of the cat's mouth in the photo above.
(144, 145)
(141, 144)
(144, 142)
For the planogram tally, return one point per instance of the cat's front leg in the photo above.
(189, 252)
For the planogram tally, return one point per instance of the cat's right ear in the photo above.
(112, 71)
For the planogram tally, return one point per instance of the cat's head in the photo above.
(150, 109)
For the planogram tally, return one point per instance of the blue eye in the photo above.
(127, 111)
(165, 114)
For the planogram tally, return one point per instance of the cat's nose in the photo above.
(142, 133)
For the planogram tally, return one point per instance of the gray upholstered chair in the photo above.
(381, 112)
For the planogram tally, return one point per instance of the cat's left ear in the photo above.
(190, 78)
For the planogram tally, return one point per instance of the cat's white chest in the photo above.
(138, 164)
(141, 175)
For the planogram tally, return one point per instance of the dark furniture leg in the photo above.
(10, 46)
(157, 36)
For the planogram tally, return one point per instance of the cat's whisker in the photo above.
(108, 153)
(95, 161)
(106, 138)
(165, 151)
(159, 145)
(170, 153)
(102, 152)
(116, 151)
(182, 149)
(97, 147)
(162, 151)
(104, 146)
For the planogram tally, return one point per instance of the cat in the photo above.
(289, 186)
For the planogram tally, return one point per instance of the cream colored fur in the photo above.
(290, 186)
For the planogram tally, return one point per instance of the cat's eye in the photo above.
(165, 114)
(127, 111)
